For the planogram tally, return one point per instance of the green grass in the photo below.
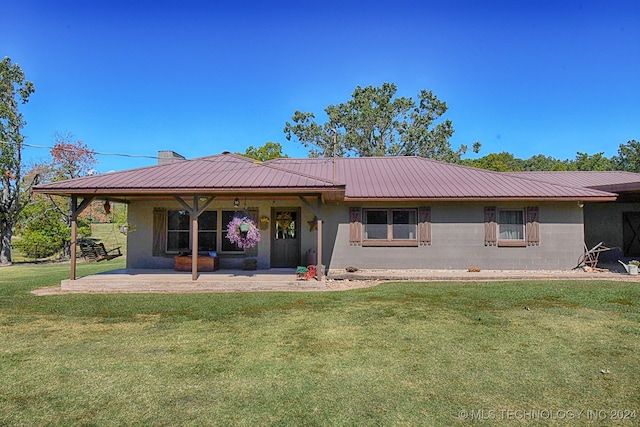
(395, 354)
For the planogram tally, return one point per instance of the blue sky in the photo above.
(199, 78)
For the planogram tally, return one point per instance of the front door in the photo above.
(285, 238)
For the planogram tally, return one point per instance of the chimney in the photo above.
(168, 156)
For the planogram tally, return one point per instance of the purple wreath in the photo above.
(244, 239)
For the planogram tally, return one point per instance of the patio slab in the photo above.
(166, 281)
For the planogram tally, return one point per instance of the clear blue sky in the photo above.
(529, 77)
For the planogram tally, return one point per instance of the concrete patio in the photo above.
(284, 280)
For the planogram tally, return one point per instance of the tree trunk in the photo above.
(5, 243)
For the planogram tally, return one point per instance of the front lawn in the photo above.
(396, 354)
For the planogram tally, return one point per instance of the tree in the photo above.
(501, 162)
(16, 191)
(45, 224)
(43, 230)
(628, 158)
(70, 159)
(540, 162)
(270, 150)
(596, 162)
(374, 123)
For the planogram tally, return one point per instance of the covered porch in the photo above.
(182, 208)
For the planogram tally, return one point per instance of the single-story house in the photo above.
(369, 213)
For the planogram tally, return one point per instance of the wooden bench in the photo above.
(97, 252)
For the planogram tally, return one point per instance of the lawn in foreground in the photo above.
(396, 354)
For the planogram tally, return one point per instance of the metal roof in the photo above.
(219, 173)
(420, 178)
(360, 178)
(613, 181)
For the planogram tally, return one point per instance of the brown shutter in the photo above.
(355, 226)
(159, 232)
(490, 226)
(253, 214)
(424, 225)
(533, 226)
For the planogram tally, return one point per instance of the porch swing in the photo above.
(96, 252)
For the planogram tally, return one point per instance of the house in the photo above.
(371, 213)
(615, 222)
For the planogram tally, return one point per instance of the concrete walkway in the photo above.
(165, 281)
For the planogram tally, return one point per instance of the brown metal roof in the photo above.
(613, 181)
(219, 173)
(420, 178)
(361, 178)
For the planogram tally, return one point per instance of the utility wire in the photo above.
(143, 156)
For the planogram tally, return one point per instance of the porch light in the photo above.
(236, 202)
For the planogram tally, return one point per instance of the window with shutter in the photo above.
(511, 227)
(390, 227)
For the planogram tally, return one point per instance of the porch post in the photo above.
(194, 243)
(319, 272)
(74, 236)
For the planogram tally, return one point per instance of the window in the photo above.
(511, 227)
(208, 231)
(390, 227)
(178, 231)
(227, 246)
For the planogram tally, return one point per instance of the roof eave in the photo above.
(186, 191)
(483, 199)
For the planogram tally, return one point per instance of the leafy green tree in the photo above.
(47, 220)
(500, 162)
(540, 162)
(628, 158)
(16, 190)
(43, 231)
(596, 162)
(376, 123)
(269, 151)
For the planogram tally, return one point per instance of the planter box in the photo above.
(205, 263)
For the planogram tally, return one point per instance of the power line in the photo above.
(139, 156)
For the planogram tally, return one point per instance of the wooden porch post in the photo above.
(194, 243)
(319, 271)
(317, 210)
(74, 236)
(194, 212)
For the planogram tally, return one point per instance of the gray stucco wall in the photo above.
(458, 241)
(457, 238)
